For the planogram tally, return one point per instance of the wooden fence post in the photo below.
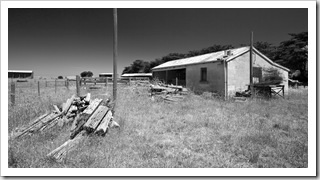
(38, 88)
(55, 86)
(77, 85)
(13, 93)
(106, 81)
(67, 84)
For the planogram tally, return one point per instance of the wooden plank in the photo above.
(95, 119)
(103, 127)
(87, 99)
(39, 118)
(68, 104)
(56, 109)
(60, 153)
(38, 125)
(92, 107)
(83, 117)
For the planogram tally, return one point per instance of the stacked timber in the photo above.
(168, 93)
(87, 116)
(95, 119)
(59, 116)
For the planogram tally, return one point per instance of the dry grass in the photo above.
(200, 131)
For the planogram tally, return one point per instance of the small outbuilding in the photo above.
(224, 72)
(23, 74)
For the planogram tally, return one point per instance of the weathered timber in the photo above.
(44, 121)
(103, 127)
(74, 123)
(25, 129)
(87, 98)
(83, 117)
(35, 127)
(56, 109)
(60, 153)
(73, 108)
(95, 119)
(39, 118)
(114, 124)
(68, 104)
(170, 99)
(92, 107)
(49, 125)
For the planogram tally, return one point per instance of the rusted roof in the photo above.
(215, 56)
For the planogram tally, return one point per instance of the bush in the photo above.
(60, 77)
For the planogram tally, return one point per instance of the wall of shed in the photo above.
(215, 78)
(239, 72)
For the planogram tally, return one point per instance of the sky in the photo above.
(66, 42)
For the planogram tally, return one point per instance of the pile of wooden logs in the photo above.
(168, 93)
(97, 118)
(60, 116)
(87, 117)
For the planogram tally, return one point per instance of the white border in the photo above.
(310, 171)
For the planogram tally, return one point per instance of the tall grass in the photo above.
(200, 131)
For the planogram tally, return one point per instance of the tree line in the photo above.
(292, 53)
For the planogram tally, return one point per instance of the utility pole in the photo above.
(251, 65)
(115, 52)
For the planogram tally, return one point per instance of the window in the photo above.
(203, 75)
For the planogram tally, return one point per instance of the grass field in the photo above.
(201, 131)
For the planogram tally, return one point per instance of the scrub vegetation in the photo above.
(200, 131)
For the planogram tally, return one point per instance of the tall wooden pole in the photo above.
(115, 52)
(251, 65)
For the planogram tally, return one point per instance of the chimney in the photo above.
(227, 53)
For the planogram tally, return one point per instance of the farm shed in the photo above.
(223, 72)
(136, 76)
(20, 74)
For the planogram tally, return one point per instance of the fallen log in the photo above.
(95, 119)
(103, 127)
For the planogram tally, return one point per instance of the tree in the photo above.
(138, 66)
(266, 48)
(293, 54)
(60, 77)
(86, 74)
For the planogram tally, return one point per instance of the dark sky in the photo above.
(55, 42)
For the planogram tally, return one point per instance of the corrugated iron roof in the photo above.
(136, 74)
(215, 56)
(210, 57)
(20, 71)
